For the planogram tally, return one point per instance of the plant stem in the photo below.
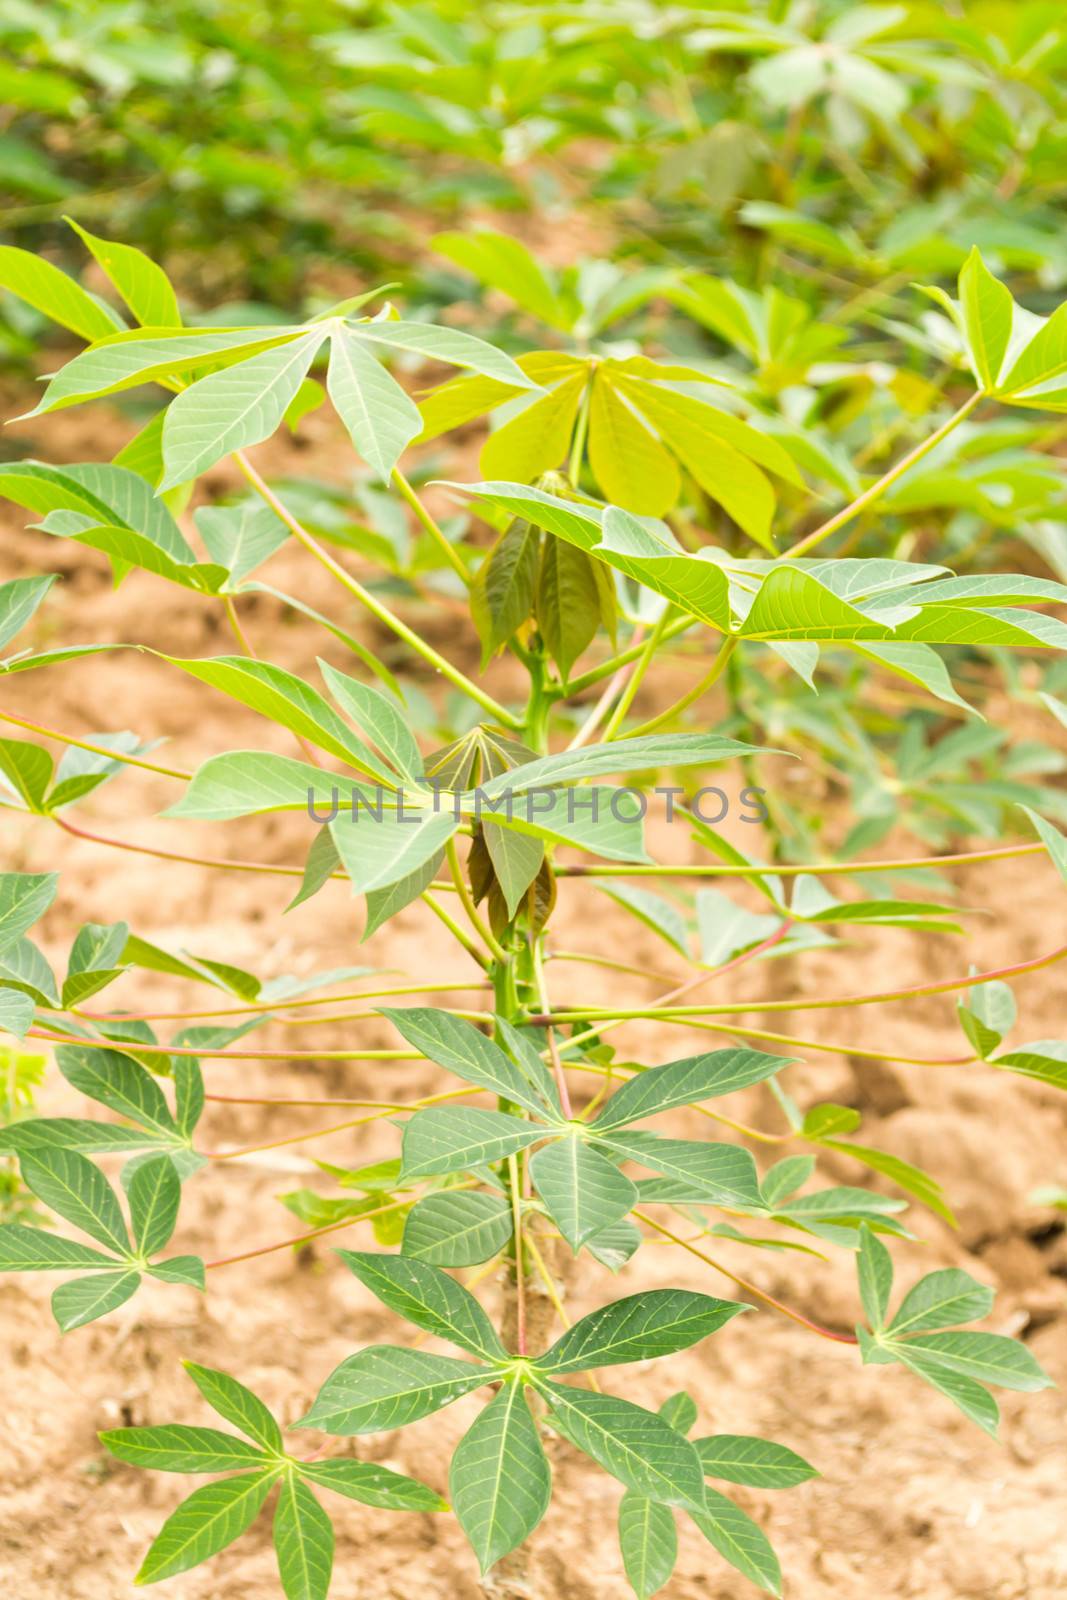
(680, 1013)
(636, 674)
(611, 689)
(447, 549)
(520, 1260)
(743, 1283)
(454, 928)
(606, 668)
(439, 663)
(95, 749)
(888, 479)
(722, 658)
(553, 1048)
(467, 899)
(337, 1127)
(822, 869)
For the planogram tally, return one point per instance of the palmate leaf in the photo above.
(583, 1192)
(205, 1523)
(82, 1300)
(721, 1173)
(648, 1541)
(429, 1298)
(24, 896)
(383, 719)
(154, 1194)
(373, 1485)
(385, 1386)
(635, 1446)
(457, 1229)
(303, 1542)
(685, 1082)
(77, 1191)
(174, 1447)
(941, 1299)
(143, 285)
(16, 1012)
(457, 1044)
(639, 1328)
(499, 1479)
(19, 599)
(380, 418)
(378, 852)
(238, 1405)
(117, 1081)
(739, 1540)
(41, 285)
(285, 698)
(448, 1139)
(759, 1463)
(24, 1249)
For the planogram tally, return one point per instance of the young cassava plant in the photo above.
(540, 1140)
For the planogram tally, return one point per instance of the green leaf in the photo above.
(24, 1249)
(458, 1045)
(119, 1082)
(448, 1139)
(383, 719)
(385, 1386)
(985, 1357)
(680, 1411)
(582, 1191)
(740, 1458)
(28, 769)
(648, 1541)
(143, 355)
(621, 755)
(639, 1328)
(285, 698)
(739, 1540)
(501, 262)
(48, 290)
(629, 463)
(987, 310)
(379, 851)
(537, 439)
(874, 1266)
(188, 1270)
(144, 287)
(685, 1082)
(24, 896)
(372, 1485)
(429, 1298)
(457, 1229)
(975, 1402)
(567, 602)
(521, 1047)
(502, 593)
(240, 538)
(722, 1174)
(238, 1405)
(73, 1133)
(613, 1247)
(155, 1194)
(385, 903)
(82, 1300)
(380, 417)
(940, 1300)
(499, 1479)
(634, 1445)
(188, 1094)
(19, 599)
(234, 408)
(1045, 1060)
(1052, 839)
(303, 1542)
(447, 344)
(244, 783)
(918, 663)
(173, 1447)
(78, 1191)
(656, 913)
(516, 859)
(16, 1012)
(205, 1523)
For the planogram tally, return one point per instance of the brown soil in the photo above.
(913, 1501)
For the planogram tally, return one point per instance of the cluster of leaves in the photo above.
(633, 487)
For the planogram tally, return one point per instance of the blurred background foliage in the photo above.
(752, 188)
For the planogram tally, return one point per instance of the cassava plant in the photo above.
(542, 1141)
